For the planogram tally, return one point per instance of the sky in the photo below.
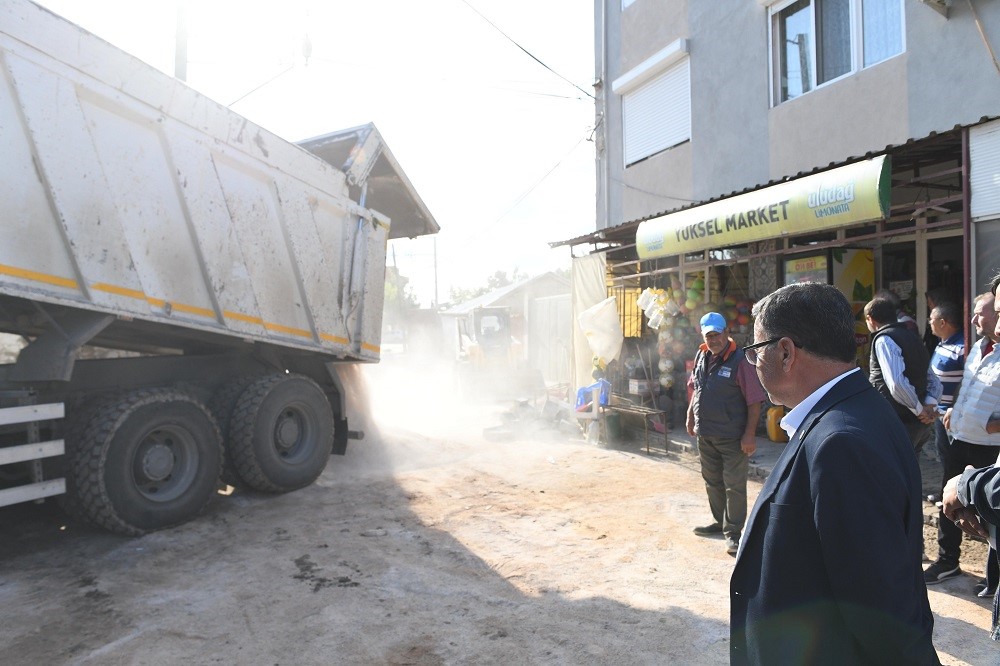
(499, 148)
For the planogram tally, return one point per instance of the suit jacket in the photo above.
(980, 488)
(829, 567)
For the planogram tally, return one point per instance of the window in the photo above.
(656, 102)
(817, 41)
(657, 115)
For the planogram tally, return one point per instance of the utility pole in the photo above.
(181, 48)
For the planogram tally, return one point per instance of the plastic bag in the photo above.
(584, 396)
(601, 326)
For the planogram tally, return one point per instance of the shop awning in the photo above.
(850, 194)
(362, 154)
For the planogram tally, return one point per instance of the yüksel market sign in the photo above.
(850, 194)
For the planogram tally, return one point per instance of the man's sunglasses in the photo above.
(750, 351)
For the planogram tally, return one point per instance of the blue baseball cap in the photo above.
(713, 322)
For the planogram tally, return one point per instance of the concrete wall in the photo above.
(662, 182)
(648, 26)
(951, 79)
(729, 96)
(852, 116)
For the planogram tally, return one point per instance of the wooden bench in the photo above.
(621, 405)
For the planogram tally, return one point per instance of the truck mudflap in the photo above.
(341, 435)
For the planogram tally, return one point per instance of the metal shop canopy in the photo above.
(851, 194)
(362, 154)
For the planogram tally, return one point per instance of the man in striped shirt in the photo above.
(947, 362)
(948, 358)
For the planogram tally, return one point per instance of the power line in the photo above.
(537, 183)
(529, 53)
(658, 195)
(250, 92)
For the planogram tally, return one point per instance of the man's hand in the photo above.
(963, 516)
(928, 415)
(748, 443)
(946, 419)
(690, 423)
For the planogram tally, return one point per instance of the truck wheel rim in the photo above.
(165, 464)
(290, 429)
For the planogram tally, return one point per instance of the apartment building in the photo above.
(706, 109)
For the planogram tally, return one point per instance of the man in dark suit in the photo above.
(828, 570)
(972, 501)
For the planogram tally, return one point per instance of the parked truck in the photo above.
(195, 293)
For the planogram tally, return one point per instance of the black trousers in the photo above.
(957, 455)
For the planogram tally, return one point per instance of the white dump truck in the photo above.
(194, 292)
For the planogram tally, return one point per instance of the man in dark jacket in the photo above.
(900, 370)
(972, 499)
(828, 571)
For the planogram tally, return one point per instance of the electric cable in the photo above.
(535, 186)
(982, 33)
(526, 51)
(654, 194)
(270, 80)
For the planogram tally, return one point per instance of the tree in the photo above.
(496, 281)
(398, 298)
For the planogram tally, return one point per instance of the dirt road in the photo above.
(435, 547)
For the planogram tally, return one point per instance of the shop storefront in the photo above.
(898, 220)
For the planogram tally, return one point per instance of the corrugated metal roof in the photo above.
(622, 231)
(362, 154)
(497, 295)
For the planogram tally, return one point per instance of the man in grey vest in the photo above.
(900, 369)
(723, 415)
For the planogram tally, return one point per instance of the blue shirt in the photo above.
(947, 363)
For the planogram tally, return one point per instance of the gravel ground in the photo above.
(426, 544)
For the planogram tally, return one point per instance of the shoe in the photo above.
(732, 545)
(940, 571)
(714, 528)
(933, 498)
(984, 592)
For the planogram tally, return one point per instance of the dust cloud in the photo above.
(414, 398)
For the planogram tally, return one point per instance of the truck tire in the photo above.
(281, 433)
(146, 460)
(221, 406)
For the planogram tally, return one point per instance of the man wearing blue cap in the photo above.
(723, 415)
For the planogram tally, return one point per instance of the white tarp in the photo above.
(589, 288)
